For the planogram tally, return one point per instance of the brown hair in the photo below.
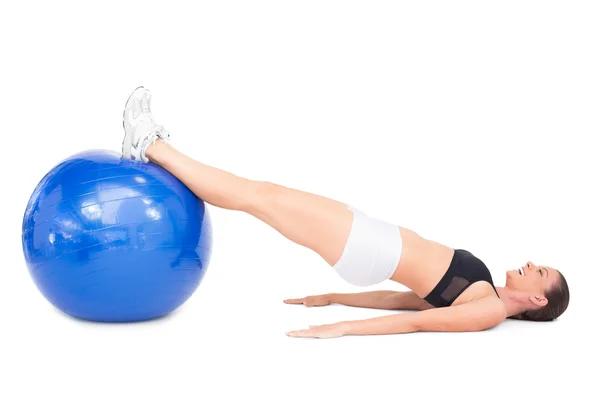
(558, 300)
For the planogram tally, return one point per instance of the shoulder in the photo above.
(475, 315)
(483, 312)
(490, 311)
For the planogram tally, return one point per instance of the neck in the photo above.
(514, 301)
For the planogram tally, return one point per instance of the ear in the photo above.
(539, 301)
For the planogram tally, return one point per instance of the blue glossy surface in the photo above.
(107, 239)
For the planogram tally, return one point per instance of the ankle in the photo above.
(156, 151)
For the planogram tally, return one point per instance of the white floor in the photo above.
(473, 124)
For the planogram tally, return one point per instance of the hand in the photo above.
(311, 301)
(320, 331)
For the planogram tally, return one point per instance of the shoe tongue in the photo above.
(161, 132)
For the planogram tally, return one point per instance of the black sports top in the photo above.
(464, 270)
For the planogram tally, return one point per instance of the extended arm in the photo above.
(476, 315)
(380, 299)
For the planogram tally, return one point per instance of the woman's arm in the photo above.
(476, 315)
(381, 299)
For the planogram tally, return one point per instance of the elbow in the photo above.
(487, 324)
(424, 326)
(452, 326)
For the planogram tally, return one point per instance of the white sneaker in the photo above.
(139, 125)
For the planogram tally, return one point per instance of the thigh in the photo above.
(310, 220)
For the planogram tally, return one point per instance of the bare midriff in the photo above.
(424, 262)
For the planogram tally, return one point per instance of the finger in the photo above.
(295, 301)
(302, 333)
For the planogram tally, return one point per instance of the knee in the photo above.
(266, 191)
(263, 194)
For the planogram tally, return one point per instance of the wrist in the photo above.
(345, 327)
(332, 298)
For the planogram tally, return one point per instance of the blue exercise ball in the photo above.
(107, 239)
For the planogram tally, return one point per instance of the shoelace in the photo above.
(159, 133)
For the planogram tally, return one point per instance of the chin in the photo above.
(509, 278)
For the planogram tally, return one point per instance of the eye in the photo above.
(540, 271)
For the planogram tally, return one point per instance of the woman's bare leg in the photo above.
(313, 221)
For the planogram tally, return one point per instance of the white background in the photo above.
(473, 123)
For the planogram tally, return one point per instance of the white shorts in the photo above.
(372, 252)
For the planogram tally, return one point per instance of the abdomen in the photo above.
(422, 264)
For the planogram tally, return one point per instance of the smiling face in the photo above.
(532, 279)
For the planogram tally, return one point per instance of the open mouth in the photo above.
(521, 272)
